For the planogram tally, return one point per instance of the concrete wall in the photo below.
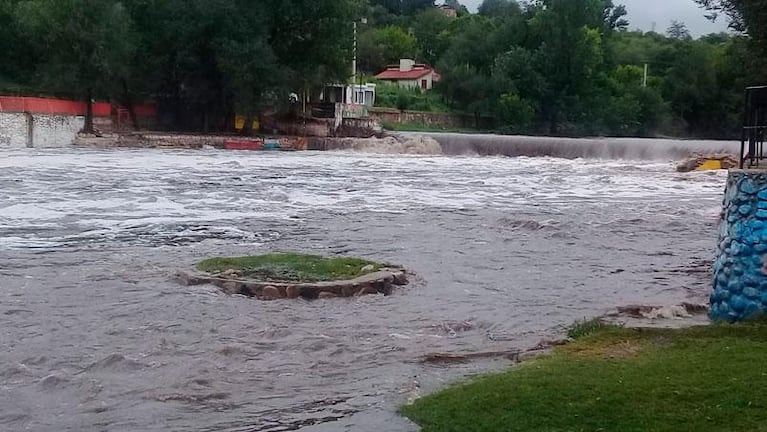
(19, 130)
(55, 131)
(13, 130)
(740, 270)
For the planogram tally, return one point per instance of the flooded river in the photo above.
(95, 335)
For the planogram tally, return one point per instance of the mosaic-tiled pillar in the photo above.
(740, 270)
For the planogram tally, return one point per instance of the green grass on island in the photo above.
(291, 267)
(711, 378)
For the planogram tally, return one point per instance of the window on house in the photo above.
(424, 84)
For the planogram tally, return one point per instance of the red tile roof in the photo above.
(394, 73)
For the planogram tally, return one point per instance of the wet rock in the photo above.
(728, 161)
(385, 286)
(292, 292)
(368, 290)
(231, 282)
(231, 273)
(400, 279)
(189, 279)
(231, 287)
(271, 293)
(327, 295)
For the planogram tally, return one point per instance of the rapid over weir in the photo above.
(575, 148)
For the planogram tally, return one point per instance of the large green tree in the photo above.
(84, 45)
(749, 17)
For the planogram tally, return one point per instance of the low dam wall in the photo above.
(575, 148)
(740, 270)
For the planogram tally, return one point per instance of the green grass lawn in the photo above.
(290, 267)
(613, 379)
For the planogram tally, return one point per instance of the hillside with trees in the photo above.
(558, 67)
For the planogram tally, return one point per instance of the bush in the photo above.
(389, 96)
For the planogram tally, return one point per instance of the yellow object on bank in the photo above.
(711, 164)
(239, 123)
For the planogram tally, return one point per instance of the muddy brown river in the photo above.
(95, 334)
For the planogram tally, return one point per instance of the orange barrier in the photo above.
(37, 105)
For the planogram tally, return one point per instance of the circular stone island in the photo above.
(291, 276)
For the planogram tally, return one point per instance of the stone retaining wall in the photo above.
(740, 270)
(390, 115)
(381, 282)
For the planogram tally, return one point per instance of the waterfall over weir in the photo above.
(574, 148)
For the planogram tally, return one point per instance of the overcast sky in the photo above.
(642, 14)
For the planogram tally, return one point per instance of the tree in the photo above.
(384, 46)
(455, 4)
(571, 54)
(678, 30)
(430, 31)
(312, 39)
(498, 8)
(411, 7)
(18, 56)
(749, 17)
(84, 44)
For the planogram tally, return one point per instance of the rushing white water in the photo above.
(97, 335)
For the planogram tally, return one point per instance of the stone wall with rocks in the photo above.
(380, 282)
(429, 119)
(391, 115)
(740, 269)
(19, 130)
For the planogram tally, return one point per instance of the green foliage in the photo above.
(291, 267)
(389, 96)
(84, 44)
(430, 29)
(499, 8)
(419, 127)
(705, 378)
(582, 329)
(380, 47)
(202, 60)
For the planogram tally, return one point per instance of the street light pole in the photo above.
(355, 99)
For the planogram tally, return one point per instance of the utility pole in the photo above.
(644, 79)
(355, 99)
(354, 65)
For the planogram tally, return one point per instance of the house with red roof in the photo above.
(410, 74)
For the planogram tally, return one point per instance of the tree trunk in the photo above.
(128, 101)
(88, 126)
